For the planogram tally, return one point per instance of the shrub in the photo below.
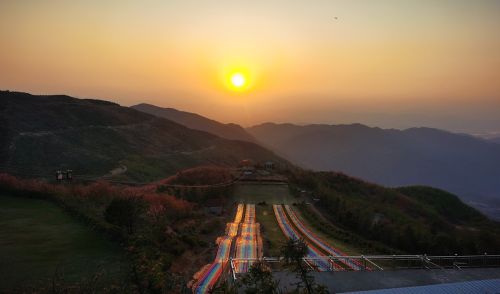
(123, 212)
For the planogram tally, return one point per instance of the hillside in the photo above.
(164, 239)
(92, 137)
(461, 164)
(198, 122)
(443, 203)
(411, 219)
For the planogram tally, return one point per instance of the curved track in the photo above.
(211, 274)
(318, 242)
(316, 259)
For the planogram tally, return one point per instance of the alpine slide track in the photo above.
(241, 246)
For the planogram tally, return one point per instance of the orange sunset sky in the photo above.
(385, 63)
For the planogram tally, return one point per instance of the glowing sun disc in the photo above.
(238, 80)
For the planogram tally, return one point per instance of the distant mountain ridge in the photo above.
(462, 164)
(40, 134)
(197, 122)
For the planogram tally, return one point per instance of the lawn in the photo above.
(271, 194)
(272, 236)
(38, 239)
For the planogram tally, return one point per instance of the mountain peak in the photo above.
(93, 137)
(195, 121)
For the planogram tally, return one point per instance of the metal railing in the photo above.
(384, 262)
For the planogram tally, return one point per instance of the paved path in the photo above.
(338, 282)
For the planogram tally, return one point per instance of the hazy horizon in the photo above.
(391, 64)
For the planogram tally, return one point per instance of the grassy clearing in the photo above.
(38, 239)
(270, 193)
(271, 233)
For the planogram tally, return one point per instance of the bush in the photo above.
(123, 212)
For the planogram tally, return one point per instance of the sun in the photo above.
(238, 80)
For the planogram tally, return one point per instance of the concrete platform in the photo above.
(338, 282)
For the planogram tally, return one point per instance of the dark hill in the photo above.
(40, 134)
(198, 122)
(464, 165)
(413, 219)
(443, 203)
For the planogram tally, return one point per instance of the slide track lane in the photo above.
(319, 261)
(318, 242)
(211, 275)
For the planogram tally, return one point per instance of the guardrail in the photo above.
(390, 262)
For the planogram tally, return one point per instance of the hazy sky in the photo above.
(387, 63)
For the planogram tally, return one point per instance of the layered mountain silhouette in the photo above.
(462, 164)
(198, 122)
(40, 134)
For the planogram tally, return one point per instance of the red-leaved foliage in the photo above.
(98, 190)
(101, 193)
(9, 182)
(160, 205)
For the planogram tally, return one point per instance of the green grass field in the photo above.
(38, 239)
(272, 236)
(255, 193)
